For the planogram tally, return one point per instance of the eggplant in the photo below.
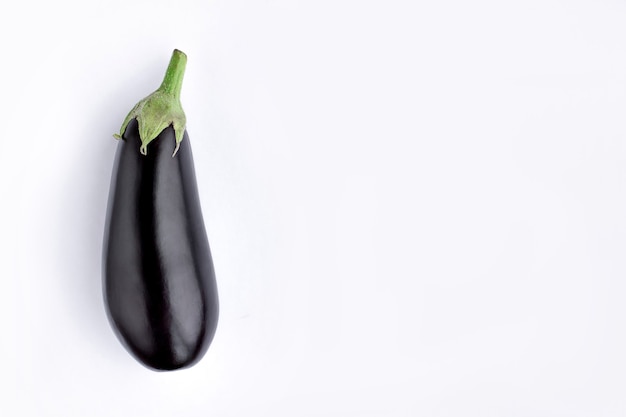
(159, 282)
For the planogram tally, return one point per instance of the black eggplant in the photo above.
(158, 277)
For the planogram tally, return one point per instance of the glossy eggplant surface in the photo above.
(159, 282)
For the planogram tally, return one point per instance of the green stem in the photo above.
(173, 80)
(161, 108)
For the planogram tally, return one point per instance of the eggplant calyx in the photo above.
(162, 108)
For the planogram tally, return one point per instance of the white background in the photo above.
(416, 208)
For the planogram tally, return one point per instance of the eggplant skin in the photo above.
(159, 282)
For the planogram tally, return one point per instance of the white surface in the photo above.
(416, 208)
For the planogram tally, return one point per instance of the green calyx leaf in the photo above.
(162, 108)
(154, 114)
